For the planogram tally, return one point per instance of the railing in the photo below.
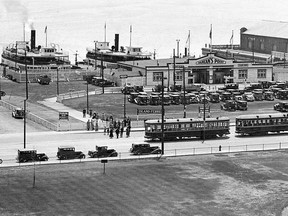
(220, 150)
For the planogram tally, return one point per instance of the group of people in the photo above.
(111, 125)
(117, 127)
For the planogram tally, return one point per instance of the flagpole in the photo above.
(189, 45)
(232, 38)
(211, 38)
(130, 34)
(24, 31)
(46, 34)
(105, 32)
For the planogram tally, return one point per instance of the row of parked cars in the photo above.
(66, 153)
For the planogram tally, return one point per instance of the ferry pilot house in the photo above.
(211, 69)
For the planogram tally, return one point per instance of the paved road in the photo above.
(48, 142)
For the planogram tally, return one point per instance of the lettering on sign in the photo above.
(63, 115)
(211, 60)
(148, 111)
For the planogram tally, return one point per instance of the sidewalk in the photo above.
(51, 103)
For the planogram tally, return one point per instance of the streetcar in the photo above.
(261, 124)
(186, 128)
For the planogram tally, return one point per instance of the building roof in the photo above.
(278, 29)
(154, 62)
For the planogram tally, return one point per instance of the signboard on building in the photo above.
(211, 60)
(63, 115)
(148, 111)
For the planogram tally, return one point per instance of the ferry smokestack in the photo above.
(33, 39)
(116, 42)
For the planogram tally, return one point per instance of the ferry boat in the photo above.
(110, 56)
(37, 60)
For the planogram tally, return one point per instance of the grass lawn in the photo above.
(235, 184)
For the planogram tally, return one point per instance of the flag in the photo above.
(210, 34)
(45, 30)
(231, 39)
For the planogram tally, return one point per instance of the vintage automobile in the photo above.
(226, 96)
(175, 88)
(140, 149)
(127, 89)
(132, 97)
(69, 152)
(30, 155)
(18, 113)
(248, 96)
(281, 106)
(175, 99)
(241, 105)
(142, 99)
(154, 100)
(268, 95)
(282, 94)
(229, 105)
(102, 151)
(214, 97)
(166, 99)
(258, 95)
(44, 80)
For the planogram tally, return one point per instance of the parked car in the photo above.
(282, 94)
(69, 153)
(175, 99)
(106, 83)
(268, 95)
(30, 155)
(142, 99)
(18, 113)
(229, 105)
(281, 106)
(132, 97)
(44, 80)
(140, 149)
(248, 96)
(127, 89)
(241, 105)
(103, 151)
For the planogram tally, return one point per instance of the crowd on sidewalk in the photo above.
(110, 124)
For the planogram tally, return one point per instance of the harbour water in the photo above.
(156, 24)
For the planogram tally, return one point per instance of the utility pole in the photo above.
(95, 54)
(184, 92)
(87, 90)
(162, 115)
(174, 65)
(25, 101)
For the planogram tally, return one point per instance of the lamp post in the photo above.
(124, 102)
(162, 114)
(26, 80)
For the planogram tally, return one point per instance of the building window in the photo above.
(178, 76)
(261, 73)
(157, 76)
(242, 74)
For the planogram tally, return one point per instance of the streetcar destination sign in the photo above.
(148, 111)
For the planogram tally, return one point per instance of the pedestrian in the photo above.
(117, 132)
(88, 125)
(104, 129)
(92, 123)
(220, 147)
(90, 113)
(127, 131)
(121, 131)
(96, 124)
(111, 133)
(84, 113)
(107, 130)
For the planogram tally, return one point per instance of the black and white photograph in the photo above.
(143, 108)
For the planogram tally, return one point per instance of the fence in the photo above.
(168, 153)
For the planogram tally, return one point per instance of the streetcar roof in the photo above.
(262, 116)
(186, 120)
